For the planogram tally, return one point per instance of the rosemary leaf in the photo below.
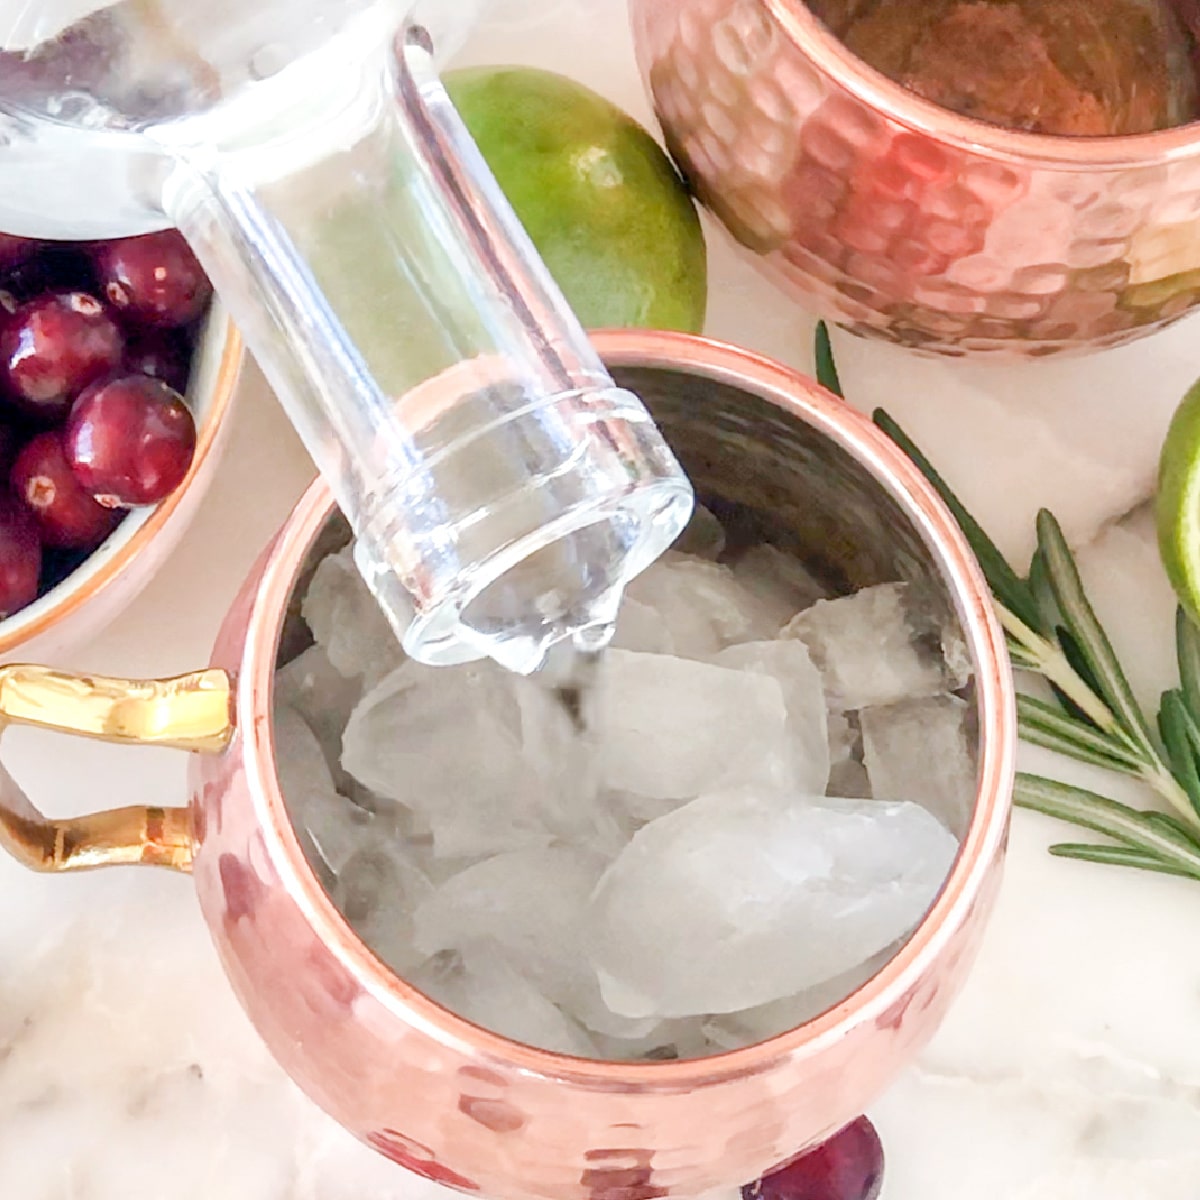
(1107, 677)
(1043, 594)
(1046, 725)
(1187, 650)
(1078, 661)
(1050, 662)
(1117, 821)
(1172, 825)
(1120, 856)
(827, 372)
(1021, 658)
(1009, 589)
(1181, 739)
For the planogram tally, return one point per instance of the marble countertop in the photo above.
(1069, 1069)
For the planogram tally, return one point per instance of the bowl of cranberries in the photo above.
(116, 369)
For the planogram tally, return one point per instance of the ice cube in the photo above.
(560, 750)
(347, 622)
(665, 1042)
(704, 536)
(880, 645)
(671, 728)
(323, 696)
(742, 897)
(702, 604)
(531, 904)
(639, 810)
(788, 663)
(479, 985)
(731, 1031)
(781, 583)
(923, 751)
(446, 742)
(641, 628)
(331, 827)
(847, 775)
(377, 891)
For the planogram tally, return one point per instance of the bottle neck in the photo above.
(356, 235)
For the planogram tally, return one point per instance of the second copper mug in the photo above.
(902, 220)
(430, 1091)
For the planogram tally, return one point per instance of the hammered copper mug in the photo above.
(433, 1093)
(902, 220)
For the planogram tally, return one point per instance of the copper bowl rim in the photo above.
(881, 94)
(75, 596)
(872, 1002)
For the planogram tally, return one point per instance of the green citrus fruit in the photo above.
(1178, 502)
(601, 201)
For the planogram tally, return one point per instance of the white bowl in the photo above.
(95, 593)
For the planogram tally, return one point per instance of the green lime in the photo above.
(601, 201)
(1178, 502)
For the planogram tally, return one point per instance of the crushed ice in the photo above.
(761, 796)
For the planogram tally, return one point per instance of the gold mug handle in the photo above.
(190, 712)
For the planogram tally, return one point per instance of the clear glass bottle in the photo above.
(502, 489)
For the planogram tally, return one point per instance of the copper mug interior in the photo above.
(904, 221)
(435, 1094)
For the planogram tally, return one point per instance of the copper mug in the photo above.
(902, 220)
(435, 1094)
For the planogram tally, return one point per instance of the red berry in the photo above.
(20, 557)
(67, 516)
(14, 250)
(847, 1167)
(56, 267)
(153, 280)
(130, 440)
(11, 440)
(161, 354)
(53, 347)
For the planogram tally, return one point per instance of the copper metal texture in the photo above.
(903, 221)
(426, 1089)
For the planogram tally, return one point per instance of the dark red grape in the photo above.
(153, 280)
(847, 1167)
(15, 250)
(53, 347)
(67, 516)
(130, 440)
(20, 557)
(162, 354)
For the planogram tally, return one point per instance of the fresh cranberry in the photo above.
(20, 557)
(162, 354)
(57, 267)
(53, 347)
(12, 438)
(847, 1167)
(153, 280)
(15, 250)
(130, 440)
(67, 516)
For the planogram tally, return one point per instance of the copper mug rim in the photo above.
(881, 94)
(980, 848)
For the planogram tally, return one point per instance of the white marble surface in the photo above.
(1069, 1070)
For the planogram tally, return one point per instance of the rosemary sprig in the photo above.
(1052, 631)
